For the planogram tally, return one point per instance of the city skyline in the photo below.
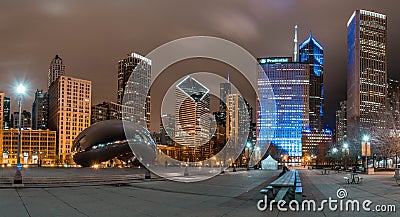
(249, 25)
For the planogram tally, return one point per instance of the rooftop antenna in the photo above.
(295, 45)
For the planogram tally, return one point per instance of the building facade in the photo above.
(134, 76)
(56, 69)
(290, 84)
(393, 99)
(312, 53)
(69, 112)
(167, 129)
(106, 111)
(192, 128)
(26, 120)
(341, 124)
(366, 72)
(224, 90)
(237, 117)
(316, 145)
(2, 109)
(40, 110)
(6, 113)
(37, 147)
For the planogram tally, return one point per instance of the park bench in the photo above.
(286, 187)
(354, 179)
(325, 171)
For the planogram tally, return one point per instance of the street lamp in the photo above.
(365, 147)
(345, 150)
(248, 146)
(18, 176)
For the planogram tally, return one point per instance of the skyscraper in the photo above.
(6, 113)
(341, 124)
(135, 84)
(224, 90)
(237, 116)
(366, 71)
(167, 129)
(192, 106)
(312, 53)
(1, 109)
(69, 112)
(56, 69)
(290, 84)
(40, 110)
(393, 98)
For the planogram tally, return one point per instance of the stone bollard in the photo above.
(17, 179)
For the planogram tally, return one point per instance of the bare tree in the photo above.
(385, 134)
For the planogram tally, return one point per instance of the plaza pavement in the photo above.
(229, 194)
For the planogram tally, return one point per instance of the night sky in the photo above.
(91, 36)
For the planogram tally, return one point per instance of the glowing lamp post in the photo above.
(366, 151)
(18, 176)
(346, 152)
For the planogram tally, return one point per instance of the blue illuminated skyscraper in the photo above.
(312, 53)
(290, 84)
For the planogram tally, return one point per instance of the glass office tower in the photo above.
(290, 84)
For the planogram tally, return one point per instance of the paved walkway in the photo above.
(230, 194)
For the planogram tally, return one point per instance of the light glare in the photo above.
(21, 89)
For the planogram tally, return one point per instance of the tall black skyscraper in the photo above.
(40, 111)
(312, 53)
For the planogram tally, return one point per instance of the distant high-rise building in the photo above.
(167, 129)
(192, 106)
(316, 144)
(237, 116)
(290, 84)
(26, 120)
(224, 90)
(341, 124)
(137, 82)
(393, 97)
(6, 113)
(69, 112)
(56, 69)
(106, 111)
(2, 109)
(40, 110)
(312, 53)
(366, 72)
